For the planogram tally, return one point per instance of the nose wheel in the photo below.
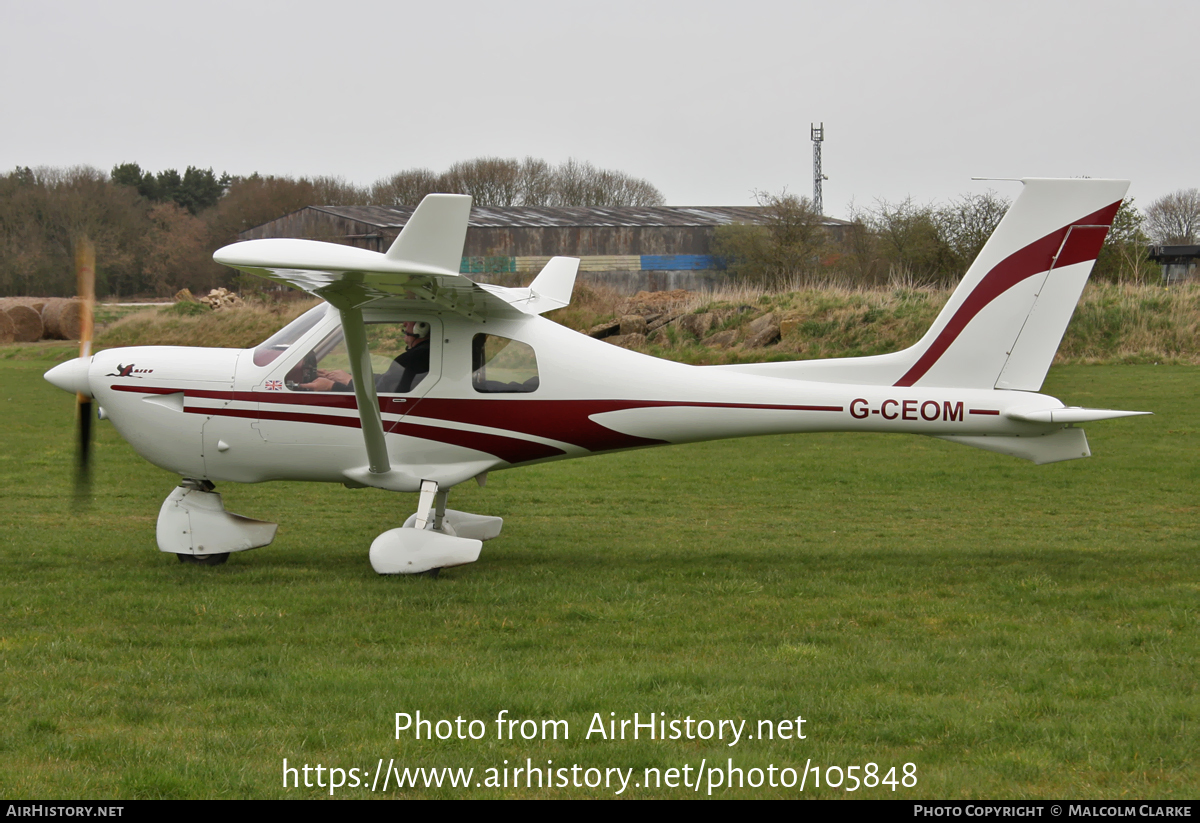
(194, 525)
(204, 559)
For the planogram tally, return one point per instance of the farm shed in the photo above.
(630, 248)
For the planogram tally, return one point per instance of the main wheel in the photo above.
(203, 559)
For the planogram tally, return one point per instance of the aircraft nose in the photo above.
(71, 376)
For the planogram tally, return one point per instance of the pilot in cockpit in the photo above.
(403, 375)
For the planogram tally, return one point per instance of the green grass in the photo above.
(1013, 630)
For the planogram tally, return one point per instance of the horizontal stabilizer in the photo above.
(1069, 415)
(550, 290)
(1064, 444)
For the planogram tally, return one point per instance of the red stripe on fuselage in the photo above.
(568, 421)
(510, 449)
(1081, 245)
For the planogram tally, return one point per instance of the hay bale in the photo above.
(27, 324)
(7, 333)
(35, 303)
(63, 318)
(49, 305)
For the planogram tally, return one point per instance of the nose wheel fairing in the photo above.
(193, 521)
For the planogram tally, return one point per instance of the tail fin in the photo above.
(1004, 322)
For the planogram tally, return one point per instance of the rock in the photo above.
(633, 324)
(762, 331)
(185, 296)
(627, 341)
(765, 337)
(660, 320)
(696, 324)
(222, 299)
(761, 324)
(604, 330)
(722, 339)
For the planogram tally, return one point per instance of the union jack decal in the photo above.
(274, 385)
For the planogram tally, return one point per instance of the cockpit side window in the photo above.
(270, 349)
(400, 354)
(501, 365)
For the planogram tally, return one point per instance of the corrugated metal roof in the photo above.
(545, 216)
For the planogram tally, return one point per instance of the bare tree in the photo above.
(912, 241)
(1125, 256)
(536, 180)
(498, 181)
(967, 223)
(579, 183)
(335, 191)
(1174, 220)
(491, 181)
(406, 188)
(788, 244)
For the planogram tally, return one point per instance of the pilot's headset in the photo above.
(421, 329)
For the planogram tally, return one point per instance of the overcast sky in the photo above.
(709, 101)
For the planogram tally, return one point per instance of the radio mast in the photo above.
(818, 136)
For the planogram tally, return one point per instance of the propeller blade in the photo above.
(85, 287)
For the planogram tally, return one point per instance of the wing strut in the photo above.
(364, 381)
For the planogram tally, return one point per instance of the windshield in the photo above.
(399, 350)
(281, 340)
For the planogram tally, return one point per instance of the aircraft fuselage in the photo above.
(215, 414)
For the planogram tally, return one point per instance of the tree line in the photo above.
(155, 232)
(926, 244)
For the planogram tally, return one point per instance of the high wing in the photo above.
(420, 272)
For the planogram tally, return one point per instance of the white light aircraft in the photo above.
(497, 386)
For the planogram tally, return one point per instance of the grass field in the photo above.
(1012, 630)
